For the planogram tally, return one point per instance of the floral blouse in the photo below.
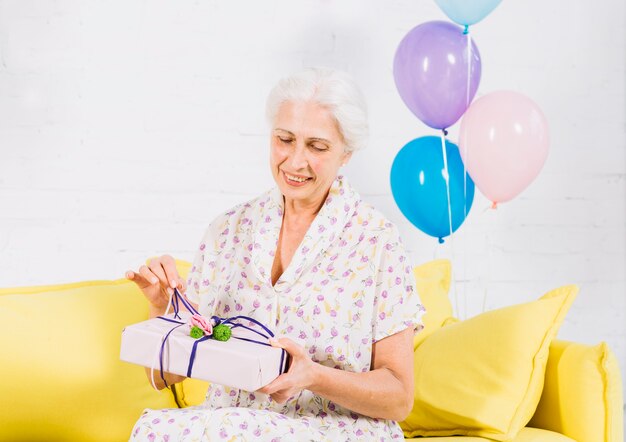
(349, 284)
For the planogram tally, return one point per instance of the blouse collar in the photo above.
(330, 221)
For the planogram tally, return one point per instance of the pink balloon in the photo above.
(503, 142)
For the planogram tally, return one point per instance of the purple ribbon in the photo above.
(178, 299)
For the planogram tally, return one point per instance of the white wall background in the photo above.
(125, 126)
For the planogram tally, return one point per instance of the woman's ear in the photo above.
(346, 158)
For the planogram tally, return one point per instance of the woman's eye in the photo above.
(285, 140)
(319, 147)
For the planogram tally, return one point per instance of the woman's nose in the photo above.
(298, 158)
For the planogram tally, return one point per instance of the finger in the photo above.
(138, 279)
(283, 396)
(287, 344)
(169, 266)
(274, 386)
(150, 277)
(156, 268)
(275, 342)
(266, 389)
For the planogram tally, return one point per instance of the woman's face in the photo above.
(307, 151)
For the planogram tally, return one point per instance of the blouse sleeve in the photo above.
(396, 303)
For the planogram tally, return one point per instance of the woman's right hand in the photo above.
(157, 281)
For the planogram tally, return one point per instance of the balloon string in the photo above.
(465, 161)
(444, 132)
(469, 70)
(446, 177)
(467, 101)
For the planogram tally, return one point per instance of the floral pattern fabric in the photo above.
(349, 284)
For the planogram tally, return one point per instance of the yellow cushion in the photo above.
(432, 282)
(484, 376)
(60, 363)
(61, 374)
(582, 396)
(191, 392)
(525, 435)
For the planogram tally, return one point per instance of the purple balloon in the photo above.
(431, 72)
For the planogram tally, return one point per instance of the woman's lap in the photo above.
(240, 424)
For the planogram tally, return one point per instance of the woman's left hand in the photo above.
(298, 377)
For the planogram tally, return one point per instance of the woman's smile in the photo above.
(295, 180)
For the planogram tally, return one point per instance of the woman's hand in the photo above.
(157, 281)
(299, 376)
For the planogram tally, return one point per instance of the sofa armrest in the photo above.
(582, 395)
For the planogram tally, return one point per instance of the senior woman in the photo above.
(322, 268)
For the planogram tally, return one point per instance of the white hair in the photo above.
(333, 89)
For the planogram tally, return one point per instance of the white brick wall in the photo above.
(125, 126)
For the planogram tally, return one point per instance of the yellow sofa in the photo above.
(62, 380)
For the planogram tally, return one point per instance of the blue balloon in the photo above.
(419, 188)
(467, 12)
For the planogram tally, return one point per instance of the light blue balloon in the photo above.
(467, 12)
(419, 187)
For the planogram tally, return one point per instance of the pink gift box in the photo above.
(236, 363)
